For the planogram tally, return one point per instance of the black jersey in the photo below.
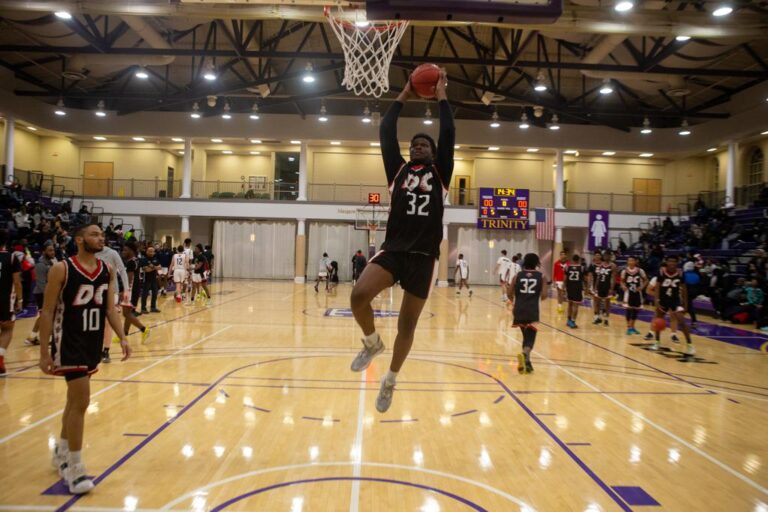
(9, 265)
(574, 282)
(603, 275)
(633, 279)
(418, 191)
(78, 326)
(528, 286)
(669, 289)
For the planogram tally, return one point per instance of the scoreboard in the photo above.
(503, 208)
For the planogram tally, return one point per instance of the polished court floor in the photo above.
(249, 405)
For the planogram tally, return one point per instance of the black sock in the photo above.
(529, 338)
(143, 329)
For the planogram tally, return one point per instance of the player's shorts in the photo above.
(574, 294)
(163, 271)
(7, 313)
(559, 285)
(73, 360)
(502, 279)
(464, 276)
(670, 306)
(414, 271)
(633, 299)
(135, 296)
(179, 275)
(604, 292)
(322, 274)
(39, 299)
(197, 278)
(524, 316)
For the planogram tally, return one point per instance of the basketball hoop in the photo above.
(373, 227)
(368, 50)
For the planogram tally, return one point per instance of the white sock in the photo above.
(391, 377)
(371, 339)
(74, 457)
(2, 351)
(33, 334)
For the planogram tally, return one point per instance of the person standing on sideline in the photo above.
(525, 294)
(323, 268)
(132, 292)
(462, 271)
(574, 289)
(115, 263)
(414, 231)
(179, 269)
(633, 281)
(503, 265)
(199, 280)
(43, 265)
(558, 276)
(150, 265)
(11, 299)
(358, 265)
(78, 299)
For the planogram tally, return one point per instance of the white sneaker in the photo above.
(654, 347)
(59, 461)
(366, 355)
(32, 340)
(674, 338)
(690, 350)
(78, 481)
(384, 400)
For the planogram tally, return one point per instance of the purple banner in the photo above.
(598, 229)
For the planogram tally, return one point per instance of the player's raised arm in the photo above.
(390, 147)
(447, 138)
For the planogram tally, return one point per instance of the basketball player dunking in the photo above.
(78, 297)
(414, 232)
(525, 294)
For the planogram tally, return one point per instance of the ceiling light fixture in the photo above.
(609, 153)
(457, 146)
(723, 10)
(31, 128)
(255, 141)
(99, 137)
(255, 152)
(308, 77)
(227, 152)
(138, 139)
(209, 71)
(646, 155)
(684, 130)
(683, 39)
(540, 85)
(623, 6)
(532, 150)
(495, 120)
(764, 133)
(711, 150)
(571, 152)
(646, 127)
(524, 122)
(177, 139)
(366, 114)
(493, 148)
(217, 141)
(554, 126)
(375, 144)
(60, 108)
(255, 112)
(295, 142)
(141, 73)
(63, 15)
(607, 87)
(100, 109)
(195, 111)
(323, 114)
(226, 115)
(335, 143)
(428, 117)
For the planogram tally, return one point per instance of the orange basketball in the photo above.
(424, 80)
(658, 325)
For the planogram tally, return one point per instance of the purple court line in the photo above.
(258, 408)
(131, 434)
(579, 444)
(358, 381)
(455, 497)
(734, 401)
(173, 406)
(463, 413)
(399, 421)
(122, 460)
(314, 418)
(499, 399)
(584, 467)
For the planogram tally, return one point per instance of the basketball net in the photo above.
(372, 228)
(368, 50)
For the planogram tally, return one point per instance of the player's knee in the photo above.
(359, 297)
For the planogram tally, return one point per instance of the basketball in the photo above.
(658, 325)
(424, 80)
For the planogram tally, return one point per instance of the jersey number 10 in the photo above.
(91, 319)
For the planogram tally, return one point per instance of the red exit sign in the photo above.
(374, 198)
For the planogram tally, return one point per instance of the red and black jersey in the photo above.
(9, 265)
(418, 191)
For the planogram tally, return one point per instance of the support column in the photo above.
(303, 160)
(186, 179)
(559, 181)
(730, 175)
(10, 125)
(184, 227)
(558, 244)
(442, 269)
(301, 252)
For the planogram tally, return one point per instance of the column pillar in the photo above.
(442, 268)
(10, 125)
(303, 160)
(301, 252)
(559, 181)
(184, 227)
(730, 175)
(558, 243)
(186, 179)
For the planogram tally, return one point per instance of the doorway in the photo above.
(97, 178)
(462, 191)
(646, 195)
(169, 186)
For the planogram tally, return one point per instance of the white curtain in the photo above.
(340, 241)
(256, 250)
(482, 247)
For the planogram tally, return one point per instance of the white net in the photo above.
(368, 50)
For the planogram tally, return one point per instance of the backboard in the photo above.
(490, 11)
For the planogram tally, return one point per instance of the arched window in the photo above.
(755, 169)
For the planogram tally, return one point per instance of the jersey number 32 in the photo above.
(417, 204)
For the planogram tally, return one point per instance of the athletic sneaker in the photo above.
(366, 355)
(674, 338)
(115, 339)
(597, 321)
(2, 365)
(458, 293)
(59, 461)
(605, 322)
(154, 310)
(470, 293)
(630, 331)
(178, 299)
(520, 363)
(105, 357)
(145, 335)
(654, 347)
(569, 323)
(528, 367)
(77, 480)
(690, 350)
(384, 400)
(648, 337)
(559, 308)
(32, 340)
(504, 299)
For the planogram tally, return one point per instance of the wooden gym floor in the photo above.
(249, 405)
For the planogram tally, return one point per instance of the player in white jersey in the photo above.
(514, 268)
(179, 269)
(503, 265)
(462, 271)
(190, 255)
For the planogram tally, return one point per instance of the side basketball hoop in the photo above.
(368, 49)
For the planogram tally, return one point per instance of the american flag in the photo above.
(545, 223)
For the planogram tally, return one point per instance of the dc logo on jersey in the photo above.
(412, 181)
(86, 294)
